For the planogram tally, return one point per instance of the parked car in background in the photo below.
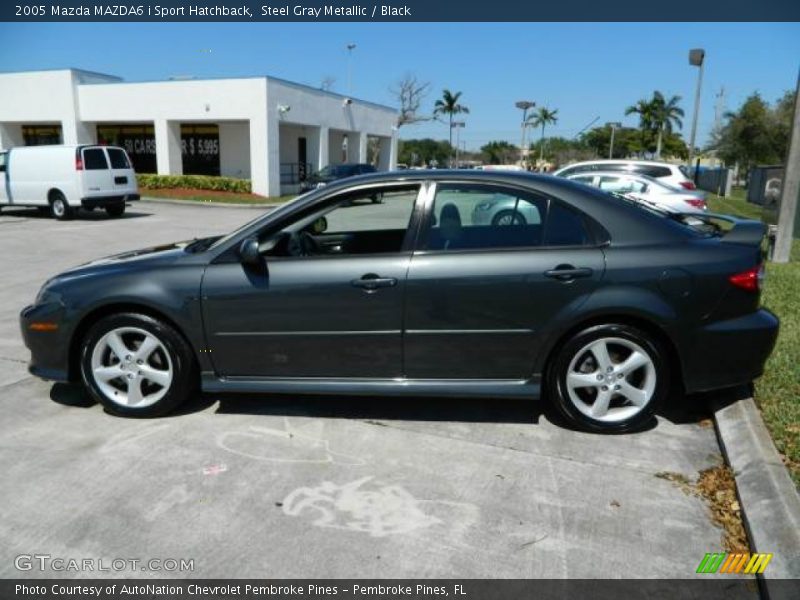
(666, 173)
(601, 303)
(644, 189)
(333, 172)
(60, 179)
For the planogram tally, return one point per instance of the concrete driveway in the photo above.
(321, 487)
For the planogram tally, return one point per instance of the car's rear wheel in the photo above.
(137, 366)
(508, 217)
(115, 210)
(609, 378)
(59, 207)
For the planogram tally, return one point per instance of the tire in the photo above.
(115, 210)
(59, 207)
(580, 376)
(157, 365)
(512, 217)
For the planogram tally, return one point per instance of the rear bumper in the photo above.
(95, 201)
(731, 352)
(49, 349)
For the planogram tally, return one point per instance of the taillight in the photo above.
(696, 203)
(749, 280)
(78, 163)
(688, 185)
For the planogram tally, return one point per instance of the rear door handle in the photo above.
(568, 272)
(372, 282)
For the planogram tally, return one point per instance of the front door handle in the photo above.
(371, 282)
(568, 272)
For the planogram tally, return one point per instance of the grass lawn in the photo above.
(778, 391)
(193, 195)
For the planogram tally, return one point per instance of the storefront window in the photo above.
(139, 141)
(200, 149)
(41, 135)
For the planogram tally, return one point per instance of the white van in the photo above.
(61, 179)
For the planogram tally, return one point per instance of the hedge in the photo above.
(197, 182)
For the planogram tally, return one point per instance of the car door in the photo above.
(97, 179)
(329, 301)
(482, 290)
(122, 174)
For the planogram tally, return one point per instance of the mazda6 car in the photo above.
(600, 305)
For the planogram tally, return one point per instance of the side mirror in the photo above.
(249, 252)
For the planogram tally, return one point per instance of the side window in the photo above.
(365, 222)
(470, 217)
(3, 156)
(118, 158)
(585, 179)
(621, 185)
(653, 170)
(94, 159)
(565, 227)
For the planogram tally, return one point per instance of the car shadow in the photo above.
(679, 409)
(79, 215)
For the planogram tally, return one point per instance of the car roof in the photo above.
(627, 161)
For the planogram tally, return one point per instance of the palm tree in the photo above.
(644, 109)
(448, 105)
(666, 113)
(541, 118)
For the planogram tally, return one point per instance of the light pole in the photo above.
(457, 125)
(613, 125)
(350, 48)
(524, 106)
(696, 59)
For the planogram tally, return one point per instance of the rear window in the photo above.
(94, 159)
(118, 159)
(652, 170)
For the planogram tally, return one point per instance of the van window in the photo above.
(118, 158)
(94, 159)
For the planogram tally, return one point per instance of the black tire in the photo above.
(59, 207)
(181, 360)
(115, 210)
(515, 216)
(617, 337)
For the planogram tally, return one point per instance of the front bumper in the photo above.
(49, 348)
(730, 352)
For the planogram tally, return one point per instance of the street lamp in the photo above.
(524, 106)
(350, 48)
(613, 125)
(696, 59)
(457, 125)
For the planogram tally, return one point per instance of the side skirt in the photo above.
(379, 387)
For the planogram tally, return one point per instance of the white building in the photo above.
(264, 129)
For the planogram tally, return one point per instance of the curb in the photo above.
(770, 502)
(203, 203)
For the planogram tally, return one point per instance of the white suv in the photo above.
(672, 175)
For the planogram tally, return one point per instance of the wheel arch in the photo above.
(51, 194)
(105, 310)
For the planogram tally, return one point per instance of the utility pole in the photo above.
(350, 48)
(791, 189)
(696, 59)
(524, 106)
(457, 125)
(613, 126)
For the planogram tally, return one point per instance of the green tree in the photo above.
(499, 153)
(541, 118)
(665, 115)
(421, 152)
(449, 105)
(644, 109)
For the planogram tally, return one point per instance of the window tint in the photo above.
(368, 222)
(118, 159)
(94, 159)
(565, 227)
(652, 170)
(470, 217)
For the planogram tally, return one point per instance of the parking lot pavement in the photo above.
(322, 487)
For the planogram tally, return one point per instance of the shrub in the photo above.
(198, 182)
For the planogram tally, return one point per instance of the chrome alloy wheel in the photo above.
(611, 379)
(131, 367)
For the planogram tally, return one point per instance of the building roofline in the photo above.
(117, 78)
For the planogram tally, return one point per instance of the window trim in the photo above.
(590, 224)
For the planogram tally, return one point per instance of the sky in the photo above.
(586, 71)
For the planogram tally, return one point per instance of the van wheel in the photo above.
(115, 210)
(59, 207)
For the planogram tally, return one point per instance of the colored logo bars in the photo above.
(728, 562)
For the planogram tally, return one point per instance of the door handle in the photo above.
(372, 282)
(568, 272)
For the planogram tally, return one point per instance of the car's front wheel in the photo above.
(137, 366)
(609, 378)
